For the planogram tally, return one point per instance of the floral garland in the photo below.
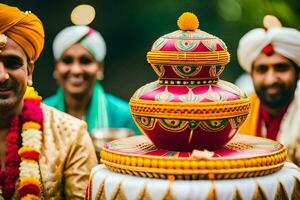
(23, 163)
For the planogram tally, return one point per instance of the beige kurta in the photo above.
(67, 156)
(289, 131)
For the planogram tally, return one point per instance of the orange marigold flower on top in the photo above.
(188, 22)
(31, 125)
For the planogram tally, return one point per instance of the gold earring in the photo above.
(29, 82)
(100, 75)
(54, 74)
(3, 41)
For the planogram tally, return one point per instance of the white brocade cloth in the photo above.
(105, 183)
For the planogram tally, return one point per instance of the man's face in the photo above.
(275, 80)
(14, 74)
(76, 70)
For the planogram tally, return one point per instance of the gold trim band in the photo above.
(187, 82)
(195, 111)
(185, 58)
(204, 174)
(189, 168)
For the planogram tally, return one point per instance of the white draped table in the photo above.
(284, 184)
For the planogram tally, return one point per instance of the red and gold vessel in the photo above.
(190, 118)
(189, 107)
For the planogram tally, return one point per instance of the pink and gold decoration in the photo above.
(189, 107)
(190, 117)
(244, 156)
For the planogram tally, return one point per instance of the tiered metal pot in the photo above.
(189, 107)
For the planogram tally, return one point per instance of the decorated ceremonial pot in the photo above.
(189, 107)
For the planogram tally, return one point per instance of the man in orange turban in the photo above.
(24, 28)
(55, 156)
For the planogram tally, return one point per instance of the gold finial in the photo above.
(188, 22)
(3, 40)
(270, 21)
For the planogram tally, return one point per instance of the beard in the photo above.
(278, 100)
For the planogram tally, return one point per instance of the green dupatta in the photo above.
(97, 114)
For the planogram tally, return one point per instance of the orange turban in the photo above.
(24, 28)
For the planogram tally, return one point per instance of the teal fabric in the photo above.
(104, 110)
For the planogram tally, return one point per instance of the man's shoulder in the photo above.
(62, 123)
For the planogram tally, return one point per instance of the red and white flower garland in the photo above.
(23, 163)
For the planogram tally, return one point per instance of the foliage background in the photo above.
(130, 27)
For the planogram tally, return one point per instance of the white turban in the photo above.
(88, 37)
(285, 41)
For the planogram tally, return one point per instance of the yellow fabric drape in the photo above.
(289, 134)
(250, 125)
(24, 28)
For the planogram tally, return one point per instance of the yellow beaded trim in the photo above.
(196, 111)
(254, 172)
(188, 82)
(185, 58)
(191, 168)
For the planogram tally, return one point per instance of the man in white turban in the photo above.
(79, 53)
(272, 58)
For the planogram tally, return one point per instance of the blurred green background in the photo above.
(130, 27)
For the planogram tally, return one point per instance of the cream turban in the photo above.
(285, 41)
(88, 37)
(24, 28)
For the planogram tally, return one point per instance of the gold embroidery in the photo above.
(118, 194)
(144, 195)
(237, 195)
(212, 193)
(196, 111)
(281, 193)
(168, 195)
(296, 192)
(163, 81)
(160, 167)
(183, 58)
(100, 192)
(259, 194)
(238, 146)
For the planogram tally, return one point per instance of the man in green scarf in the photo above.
(79, 52)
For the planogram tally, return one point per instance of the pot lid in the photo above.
(188, 45)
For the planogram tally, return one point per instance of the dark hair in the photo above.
(295, 66)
